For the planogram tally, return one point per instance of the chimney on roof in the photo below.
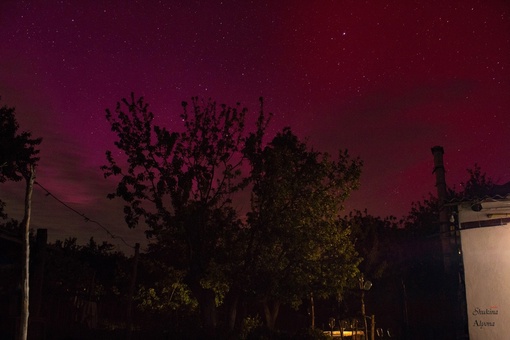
(444, 225)
(439, 170)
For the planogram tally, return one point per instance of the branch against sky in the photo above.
(18, 150)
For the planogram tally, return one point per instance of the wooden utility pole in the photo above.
(23, 329)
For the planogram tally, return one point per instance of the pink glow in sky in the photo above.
(385, 79)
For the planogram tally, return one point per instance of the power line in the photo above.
(87, 219)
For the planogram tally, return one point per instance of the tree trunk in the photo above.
(23, 327)
(271, 310)
(206, 299)
(312, 310)
(207, 304)
(233, 299)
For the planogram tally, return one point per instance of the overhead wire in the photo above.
(87, 219)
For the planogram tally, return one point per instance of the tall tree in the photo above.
(18, 160)
(180, 185)
(296, 245)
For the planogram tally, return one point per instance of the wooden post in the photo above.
(23, 328)
(129, 316)
(372, 328)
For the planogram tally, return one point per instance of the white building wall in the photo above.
(486, 256)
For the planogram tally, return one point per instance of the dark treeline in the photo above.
(281, 269)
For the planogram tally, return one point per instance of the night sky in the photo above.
(387, 80)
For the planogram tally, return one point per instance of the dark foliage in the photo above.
(18, 150)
